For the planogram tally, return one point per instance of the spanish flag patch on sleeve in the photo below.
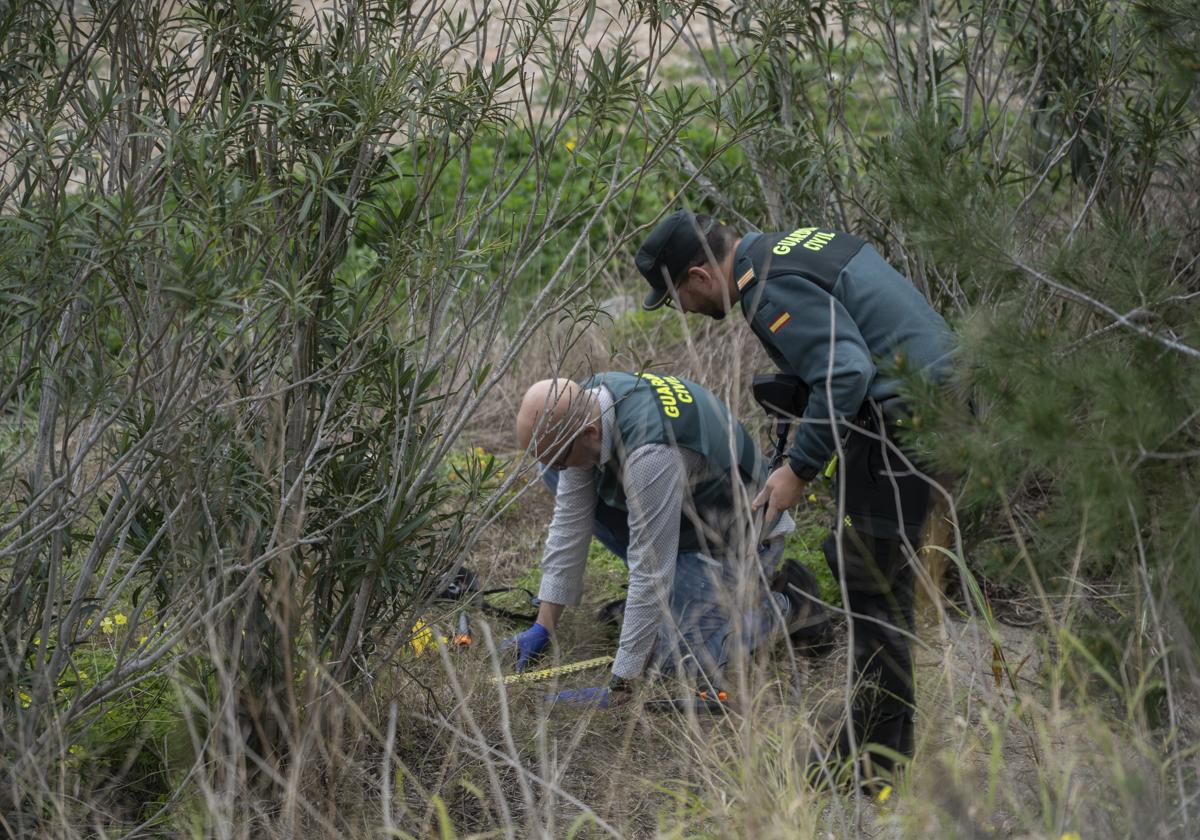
(780, 321)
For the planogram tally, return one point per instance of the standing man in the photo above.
(659, 470)
(829, 310)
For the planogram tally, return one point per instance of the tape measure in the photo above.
(557, 671)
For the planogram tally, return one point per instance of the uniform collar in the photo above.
(744, 246)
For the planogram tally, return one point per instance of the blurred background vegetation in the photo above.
(271, 273)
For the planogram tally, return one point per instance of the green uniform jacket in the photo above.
(828, 308)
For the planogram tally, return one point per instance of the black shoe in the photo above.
(808, 627)
(612, 613)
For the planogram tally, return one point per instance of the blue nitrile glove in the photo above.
(529, 645)
(597, 697)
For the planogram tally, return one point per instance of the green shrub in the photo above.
(804, 544)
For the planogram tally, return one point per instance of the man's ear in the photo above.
(699, 273)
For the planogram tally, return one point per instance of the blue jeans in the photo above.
(719, 611)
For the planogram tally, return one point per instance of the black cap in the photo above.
(667, 251)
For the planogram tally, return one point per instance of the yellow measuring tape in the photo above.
(558, 671)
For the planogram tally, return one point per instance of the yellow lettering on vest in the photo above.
(818, 241)
(671, 391)
(785, 245)
(681, 392)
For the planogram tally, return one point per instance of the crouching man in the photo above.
(658, 469)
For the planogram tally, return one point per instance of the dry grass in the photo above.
(991, 762)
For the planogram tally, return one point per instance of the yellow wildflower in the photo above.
(83, 675)
(885, 793)
(25, 699)
(106, 625)
(570, 144)
(121, 619)
(75, 749)
(1070, 835)
(142, 640)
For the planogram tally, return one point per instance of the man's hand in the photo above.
(528, 645)
(783, 491)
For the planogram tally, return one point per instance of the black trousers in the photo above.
(886, 503)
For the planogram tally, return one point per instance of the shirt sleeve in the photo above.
(807, 326)
(570, 532)
(655, 480)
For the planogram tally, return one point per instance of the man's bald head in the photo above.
(552, 414)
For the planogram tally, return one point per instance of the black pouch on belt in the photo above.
(893, 409)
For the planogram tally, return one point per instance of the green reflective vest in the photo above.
(664, 409)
